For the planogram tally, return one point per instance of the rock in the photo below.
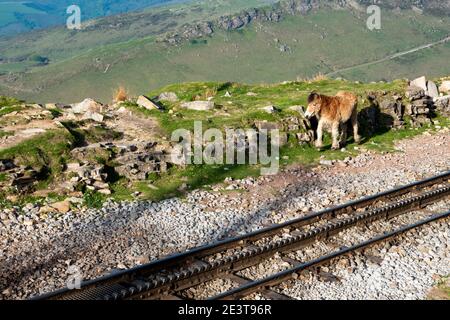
(432, 90)
(227, 95)
(299, 109)
(269, 109)
(305, 137)
(101, 185)
(87, 105)
(62, 206)
(251, 94)
(414, 93)
(198, 105)
(12, 198)
(445, 86)
(46, 209)
(420, 82)
(28, 223)
(326, 162)
(7, 292)
(168, 96)
(6, 164)
(147, 103)
(93, 116)
(104, 191)
(265, 125)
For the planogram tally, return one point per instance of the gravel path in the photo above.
(38, 252)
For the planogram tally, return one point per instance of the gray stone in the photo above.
(168, 96)
(299, 109)
(198, 105)
(445, 86)
(414, 93)
(93, 116)
(269, 109)
(420, 82)
(432, 90)
(87, 105)
(147, 103)
(265, 125)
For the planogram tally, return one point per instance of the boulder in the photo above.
(198, 105)
(414, 93)
(6, 164)
(420, 82)
(299, 109)
(432, 90)
(269, 109)
(87, 105)
(445, 87)
(93, 116)
(168, 96)
(147, 103)
(443, 104)
(62, 206)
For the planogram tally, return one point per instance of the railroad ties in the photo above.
(169, 277)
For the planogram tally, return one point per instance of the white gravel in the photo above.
(36, 251)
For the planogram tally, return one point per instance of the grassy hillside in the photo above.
(321, 42)
(239, 110)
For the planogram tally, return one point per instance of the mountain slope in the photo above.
(323, 41)
(20, 16)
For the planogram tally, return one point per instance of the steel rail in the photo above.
(241, 260)
(286, 275)
(112, 282)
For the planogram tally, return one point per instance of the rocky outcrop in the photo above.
(274, 13)
(283, 8)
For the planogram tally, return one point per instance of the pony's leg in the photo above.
(319, 142)
(335, 134)
(343, 135)
(356, 135)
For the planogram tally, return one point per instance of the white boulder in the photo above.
(198, 105)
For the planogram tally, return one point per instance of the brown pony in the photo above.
(334, 112)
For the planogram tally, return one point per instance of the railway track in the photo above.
(169, 277)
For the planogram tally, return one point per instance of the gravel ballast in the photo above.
(38, 253)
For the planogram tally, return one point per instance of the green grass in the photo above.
(49, 150)
(238, 111)
(94, 199)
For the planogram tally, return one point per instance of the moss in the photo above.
(48, 151)
(93, 199)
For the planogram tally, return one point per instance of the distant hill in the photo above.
(236, 40)
(22, 16)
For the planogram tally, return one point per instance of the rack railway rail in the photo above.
(166, 278)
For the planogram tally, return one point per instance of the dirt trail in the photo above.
(391, 57)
